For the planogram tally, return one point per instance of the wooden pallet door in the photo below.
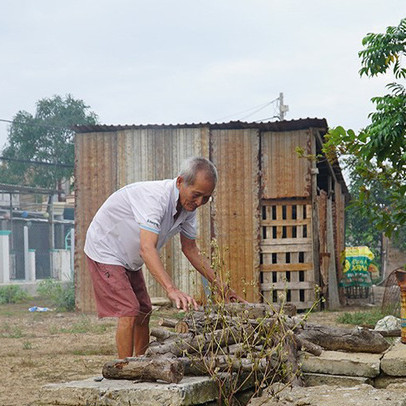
(286, 258)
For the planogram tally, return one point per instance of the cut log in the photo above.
(389, 333)
(293, 371)
(162, 334)
(305, 345)
(182, 327)
(213, 365)
(145, 369)
(187, 343)
(257, 310)
(221, 363)
(351, 340)
(167, 322)
(199, 322)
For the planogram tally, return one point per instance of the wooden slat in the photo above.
(281, 286)
(283, 202)
(286, 267)
(271, 248)
(304, 305)
(285, 222)
(286, 241)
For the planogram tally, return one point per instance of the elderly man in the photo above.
(128, 230)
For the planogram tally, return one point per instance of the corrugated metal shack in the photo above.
(268, 212)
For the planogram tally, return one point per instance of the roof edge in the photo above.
(277, 126)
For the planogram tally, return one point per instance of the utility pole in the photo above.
(283, 108)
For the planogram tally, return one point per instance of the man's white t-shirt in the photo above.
(113, 236)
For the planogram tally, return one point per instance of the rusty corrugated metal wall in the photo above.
(284, 175)
(236, 210)
(95, 178)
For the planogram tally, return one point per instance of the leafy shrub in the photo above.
(62, 296)
(12, 294)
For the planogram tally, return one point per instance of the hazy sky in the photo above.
(185, 61)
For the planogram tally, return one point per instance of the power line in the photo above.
(256, 111)
(260, 106)
(54, 164)
(282, 109)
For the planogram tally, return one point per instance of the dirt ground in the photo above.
(40, 348)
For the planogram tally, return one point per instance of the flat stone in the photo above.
(342, 363)
(383, 381)
(326, 395)
(109, 392)
(311, 379)
(394, 361)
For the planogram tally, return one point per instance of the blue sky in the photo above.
(184, 61)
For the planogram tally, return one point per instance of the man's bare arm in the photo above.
(150, 255)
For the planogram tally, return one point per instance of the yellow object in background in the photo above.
(357, 264)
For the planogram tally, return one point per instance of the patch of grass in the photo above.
(82, 326)
(13, 294)
(8, 331)
(94, 351)
(28, 363)
(62, 296)
(361, 318)
(27, 345)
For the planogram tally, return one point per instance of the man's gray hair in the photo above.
(195, 164)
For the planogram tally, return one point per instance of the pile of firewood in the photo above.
(239, 338)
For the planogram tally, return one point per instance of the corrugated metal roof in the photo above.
(290, 125)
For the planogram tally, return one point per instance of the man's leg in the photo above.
(132, 336)
(141, 325)
(141, 337)
(125, 336)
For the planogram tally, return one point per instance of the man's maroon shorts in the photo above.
(118, 291)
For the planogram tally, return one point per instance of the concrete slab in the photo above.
(326, 395)
(311, 379)
(108, 392)
(394, 361)
(383, 381)
(342, 363)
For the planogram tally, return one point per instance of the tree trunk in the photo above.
(333, 296)
(145, 369)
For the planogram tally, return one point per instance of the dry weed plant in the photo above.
(238, 352)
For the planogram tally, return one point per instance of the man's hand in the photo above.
(233, 297)
(182, 300)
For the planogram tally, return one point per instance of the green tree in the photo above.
(378, 153)
(46, 137)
